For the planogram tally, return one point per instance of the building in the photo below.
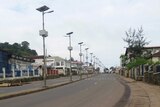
(58, 63)
(62, 65)
(38, 64)
(156, 58)
(152, 53)
(12, 66)
(52, 63)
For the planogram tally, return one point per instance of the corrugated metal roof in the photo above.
(156, 54)
(151, 47)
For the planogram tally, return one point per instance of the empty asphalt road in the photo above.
(104, 90)
(35, 84)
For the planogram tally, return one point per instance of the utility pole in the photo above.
(70, 48)
(80, 54)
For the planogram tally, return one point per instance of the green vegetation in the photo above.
(136, 62)
(150, 62)
(21, 81)
(124, 59)
(18, 49)
(139, 59)
(136, 42)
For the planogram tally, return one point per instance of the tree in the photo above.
(33, 52)
(135, 41)
(106, 70)
(5, 46)
(25, 44)
(123, 59)
(112, 68)
(16, 45)
(18, 49)
(72, 59)
(136, 62)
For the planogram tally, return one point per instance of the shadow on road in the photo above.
(125, 98)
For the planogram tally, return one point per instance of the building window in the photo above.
(57, 64)
(62, 63)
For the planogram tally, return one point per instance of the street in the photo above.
(104, 90)
(35, 84)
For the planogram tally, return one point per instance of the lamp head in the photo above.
(69, 33)
(43, 8)
(50, 11)
(86, 48)
(80, 43)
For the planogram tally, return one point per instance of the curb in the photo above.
(30, 91)
(126, 95)
(138, 97)
(4, 85)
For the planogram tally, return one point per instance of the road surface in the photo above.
(104, 90)
(35, 84)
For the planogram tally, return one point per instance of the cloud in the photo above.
(100, 24)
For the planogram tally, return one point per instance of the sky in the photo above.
(100, 24)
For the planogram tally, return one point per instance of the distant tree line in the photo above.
(21, 49)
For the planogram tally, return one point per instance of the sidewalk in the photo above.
(8, 92)
(143, 94)
(35, 84)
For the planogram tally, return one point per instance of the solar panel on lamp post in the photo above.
(44, 34)
(70, 48)
(80, 54)
(87, 60)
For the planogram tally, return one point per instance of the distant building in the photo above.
(62, 65)
(38, 64)
(58, 63)
(52, 62)
(156, 57)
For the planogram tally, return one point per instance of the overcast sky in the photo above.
(100, 24)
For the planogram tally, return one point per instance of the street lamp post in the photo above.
(87, 60)
(83, 58)
(80, 54)
(91, 62)
(70, 48)
(91, 57)
(44, 34)
(94, 63)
